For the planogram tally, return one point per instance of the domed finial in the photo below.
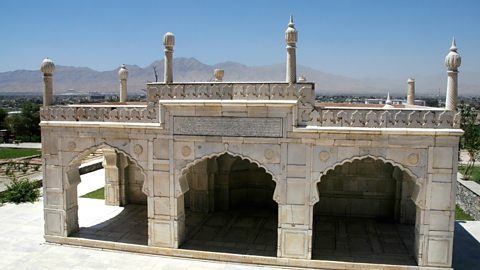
(123, 72)
(291, 33)
(169, 40)
(453, 59)
(47, 67)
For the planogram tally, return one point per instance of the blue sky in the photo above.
(368, 38)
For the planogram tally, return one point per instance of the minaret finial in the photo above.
(290, 23)
(453, 48)
(388, 101)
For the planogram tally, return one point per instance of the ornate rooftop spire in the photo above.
(123, 72)
(453, 60)
(291, 34)
(47, 67)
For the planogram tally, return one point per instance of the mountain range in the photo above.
(83, 79)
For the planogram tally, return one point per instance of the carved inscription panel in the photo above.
(228, 126)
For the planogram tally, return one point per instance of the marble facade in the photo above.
(198, 146)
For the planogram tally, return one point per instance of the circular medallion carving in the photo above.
(186, 151)
(71, 145)
(324, 156)
(413, 158)
(269, 153)
(138, 149)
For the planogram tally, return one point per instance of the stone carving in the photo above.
(100, 114)
(380, 118)
(138, 149)
(324, 156)
(269, 153)
(71, 146)
(220, 90)
(413, 159)
(186, 151)
(228, 126)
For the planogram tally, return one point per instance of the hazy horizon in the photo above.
(357, 39)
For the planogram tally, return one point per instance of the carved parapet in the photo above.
(303, 92)
(98, 113)
(380, 118)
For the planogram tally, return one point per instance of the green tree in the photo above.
(470, 140)
(3, 115)
(25, 126)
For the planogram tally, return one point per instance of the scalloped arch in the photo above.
(276, 195)
(82, 154)
(418, 181)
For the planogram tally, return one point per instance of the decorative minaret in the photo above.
(291, 39)
(47, 67)
(411, 91)
(169, 42)
(388, 102)
(123, 74)
(452, 61)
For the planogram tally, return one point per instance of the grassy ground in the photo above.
(96, 194)
(8, 153)
(475, 174)
(461, 215)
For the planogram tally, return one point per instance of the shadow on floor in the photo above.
(466, 249)
(362, 240)
(245, 231)
(129, 226)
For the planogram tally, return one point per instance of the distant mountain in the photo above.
(84, 79)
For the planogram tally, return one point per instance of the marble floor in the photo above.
(253, 231)
(119, 224)
(362, 240)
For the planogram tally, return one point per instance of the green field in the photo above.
(9, 153)
(475, 174)
(96, 194)
(461, 215)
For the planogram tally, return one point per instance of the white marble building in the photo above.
(319, 171)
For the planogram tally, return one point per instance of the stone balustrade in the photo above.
(232, 91)
(380, 118)
(101, 113)
(319, 117)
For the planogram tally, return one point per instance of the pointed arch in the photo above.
(417, 196)
(276, 193)
(74, 163)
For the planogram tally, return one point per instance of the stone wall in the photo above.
(134, 186)
(468, 197)
(364, 188)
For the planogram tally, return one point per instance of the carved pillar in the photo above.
(452, 91)
(168, 42)
(453, 62)
(47, 67)
(60, 193)
(291, 39)
(411, 92)
(201, 187)
(222, 180)
(123, 74)
(114, 165)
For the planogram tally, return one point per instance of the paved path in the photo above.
(22, 245)
(21, 145)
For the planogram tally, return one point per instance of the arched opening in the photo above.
(365, 213)
(111, 204)
(229, 207)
